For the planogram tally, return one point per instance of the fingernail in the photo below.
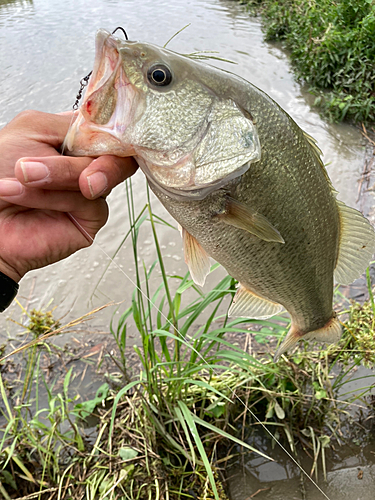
(98, 183)
(34, 171)
(10, 187)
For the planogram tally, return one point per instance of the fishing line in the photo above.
(70, 126)
(188, 338)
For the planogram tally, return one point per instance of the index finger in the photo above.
(75, 173)
(52, 172)
(47, 128)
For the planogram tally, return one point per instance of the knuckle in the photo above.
(68, 170)
(124, 167)
(28, 115)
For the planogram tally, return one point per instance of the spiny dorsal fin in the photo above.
(330, 333)
(246, 303)
(196, 258)
(313, 143)
(243, 217)
(357, 244)
(318, 154)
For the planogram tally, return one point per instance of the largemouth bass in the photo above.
(245, 183)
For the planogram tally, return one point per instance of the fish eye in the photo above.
(159, 75)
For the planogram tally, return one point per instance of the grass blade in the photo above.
(182, 421)
(224, 434)
(189, 417)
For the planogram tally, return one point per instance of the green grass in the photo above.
(332, 49)
(159, 431)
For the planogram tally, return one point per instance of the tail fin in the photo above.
(330, 333)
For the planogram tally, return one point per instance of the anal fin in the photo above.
(239, 215)
(247, 303)
(357, 244)
(329, 333)
(196, 258)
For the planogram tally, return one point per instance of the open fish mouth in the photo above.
(106, 111)
(142, 101)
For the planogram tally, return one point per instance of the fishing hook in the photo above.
(84, 81)
(122, 29)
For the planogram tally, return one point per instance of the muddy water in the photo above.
(350, 463)
(47, 46)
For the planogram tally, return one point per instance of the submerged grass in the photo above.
(160, 432)
(332, 49)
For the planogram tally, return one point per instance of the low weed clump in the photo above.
(332, 48)
(161, 431)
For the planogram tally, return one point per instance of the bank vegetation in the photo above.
(332, 49)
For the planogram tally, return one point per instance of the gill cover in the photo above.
(221, 149)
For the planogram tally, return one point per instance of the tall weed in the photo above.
(332, 49)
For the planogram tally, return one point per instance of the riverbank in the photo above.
(332, 49)
(167, 420)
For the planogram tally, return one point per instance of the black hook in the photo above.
(85, 80)
(122, 29)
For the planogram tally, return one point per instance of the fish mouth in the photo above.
(108, 106)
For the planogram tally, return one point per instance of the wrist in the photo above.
(8, 291)
(9, 271)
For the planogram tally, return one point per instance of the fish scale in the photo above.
(245, 183)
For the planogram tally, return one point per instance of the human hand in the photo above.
(40, 190)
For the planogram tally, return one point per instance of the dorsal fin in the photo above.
(318, 155)
(357, 244)
(196, 258)
(247, 303)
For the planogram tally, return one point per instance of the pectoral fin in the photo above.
(243, 217)
(196, 258)
(357, 244)
(246, 303)
(330, 333)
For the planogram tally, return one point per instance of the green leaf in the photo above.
(324, 440)
(87, 407)
(8, 479)
(127, 453)
(162, 431)
(189, 417)
(5, 399)
(320, 393)
(217, 410)
(22, 466)
(270, 409)
(67, 382)
(182, 421)
(228, 436)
